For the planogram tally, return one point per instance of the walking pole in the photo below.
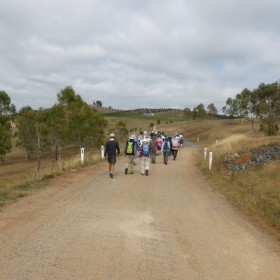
(180, 150)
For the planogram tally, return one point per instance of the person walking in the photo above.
(130, 151)
(165, 150)
(111, 149)
(159, 143)
(145, 150)
(175, 146)
(153, 148)
(137, 147)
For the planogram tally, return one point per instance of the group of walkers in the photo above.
(147, 146)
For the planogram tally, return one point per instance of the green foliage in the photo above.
(263, 102)
(188, 113)
(7, 110)
(268, 107)
(25, 121)
(199, 112)
(211, 109)
(71, 122)
(83, 125)
(68, 96)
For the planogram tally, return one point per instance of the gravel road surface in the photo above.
(165, 226)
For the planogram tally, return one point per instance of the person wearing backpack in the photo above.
(130, 151)
(165, 148)
(111, 149)
(136, 149)
(175, 147)
(145, 150)
(153, 145)
(159, 143)
(181, 140)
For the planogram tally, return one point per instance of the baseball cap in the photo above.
(112, 135)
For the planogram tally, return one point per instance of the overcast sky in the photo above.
(137, 53)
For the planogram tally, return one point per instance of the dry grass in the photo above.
(18, 177)
(256, 191)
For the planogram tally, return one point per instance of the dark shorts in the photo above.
(112, 159)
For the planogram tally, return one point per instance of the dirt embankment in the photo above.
(168, 225)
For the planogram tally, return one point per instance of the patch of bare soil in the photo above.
(168, 225)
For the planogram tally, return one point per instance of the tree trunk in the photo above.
(39, 150)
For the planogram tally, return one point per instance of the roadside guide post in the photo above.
(102, 151)
(210, 160)
(205, 152)
(82, 155)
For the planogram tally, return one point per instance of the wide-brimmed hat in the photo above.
(132, 136)
(112, 135)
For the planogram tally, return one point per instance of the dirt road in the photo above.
(168, 225)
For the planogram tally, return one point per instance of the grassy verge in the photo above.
(14, 189)
(256, 191)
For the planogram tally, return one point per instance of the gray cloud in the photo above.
(132, 54)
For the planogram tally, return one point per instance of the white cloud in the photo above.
(131, 54)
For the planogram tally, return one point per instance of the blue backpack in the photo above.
(146, 149)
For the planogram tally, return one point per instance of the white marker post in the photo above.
(82, 155)
(205, 152)
(102, 151)
(210, 160)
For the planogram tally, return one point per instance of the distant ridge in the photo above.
(140, 111)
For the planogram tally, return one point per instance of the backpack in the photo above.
(146, 149)
(165, 145)
(153, 145)
(130, 148)
(175, 145)
(159, 142)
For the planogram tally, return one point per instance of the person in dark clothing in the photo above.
(111, 149)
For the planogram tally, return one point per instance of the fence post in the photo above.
(102, 151)
(210, 160)
(82, 155)
(205, 152)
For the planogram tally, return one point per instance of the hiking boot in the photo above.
(111, 175)
(146, 172)
(125, 171)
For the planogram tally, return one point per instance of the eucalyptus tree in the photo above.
(55, 121)
(26, 130)
(187, 113)
(32, 132)
(83, 124)
(268, 107)
(211, 109)
(249, 103)
(7, 111)
(230, 108)
(199, 112)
